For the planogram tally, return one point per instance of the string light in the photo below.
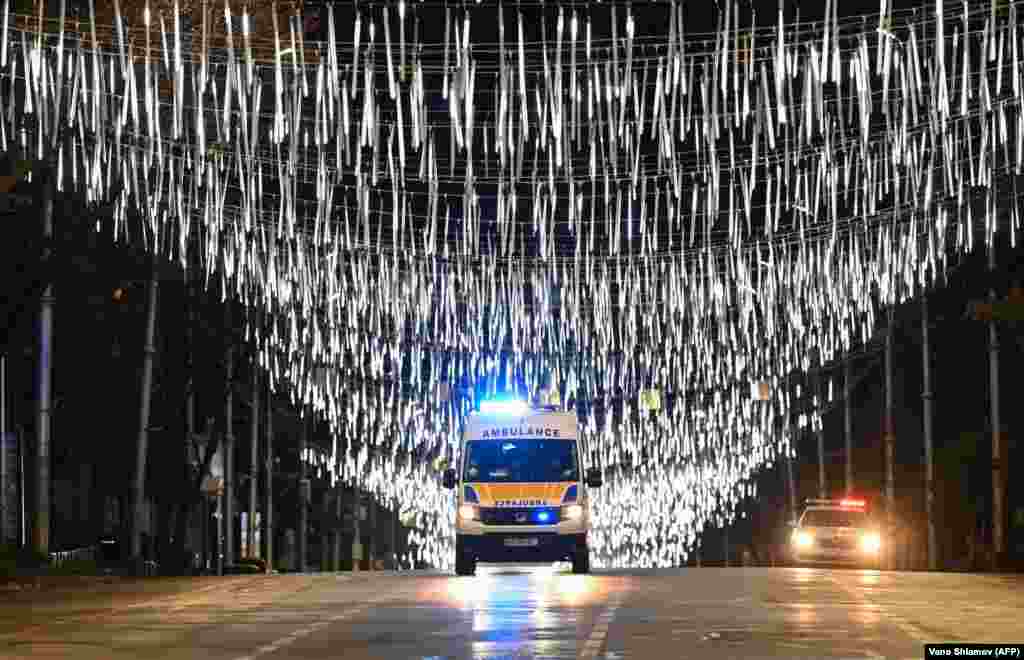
(608, 216)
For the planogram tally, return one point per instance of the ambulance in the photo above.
(522, 492)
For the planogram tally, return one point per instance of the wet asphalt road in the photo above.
(520, 612)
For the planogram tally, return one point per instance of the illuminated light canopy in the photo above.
(589, 215)
(499, 407)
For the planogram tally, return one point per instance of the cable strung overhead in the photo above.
(570, 207)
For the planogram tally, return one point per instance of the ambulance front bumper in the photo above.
(522, 546)
(562, 527)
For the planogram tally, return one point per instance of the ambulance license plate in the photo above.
(521, 543)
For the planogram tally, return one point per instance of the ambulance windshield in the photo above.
(521, 460)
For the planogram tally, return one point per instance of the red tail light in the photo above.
(852, 502)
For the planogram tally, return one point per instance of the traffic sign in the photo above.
(650, 400)
(1008, 309)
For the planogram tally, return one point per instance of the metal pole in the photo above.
(41, 528)
(204, 533)
(926, 396)
(820, 437)
(228, 510)
(357, 539)
(371, 537)
(336, 529)
(790, 481)
(998, 510)
(254, 460)
(268, 462)
(142, 441)
(848, 419)
(4, 500)
(304, 490)
(185, 509)
(325, 533)
(21, 477)
(218, 559)
(890, 439)
(394, 534)
(183, 520)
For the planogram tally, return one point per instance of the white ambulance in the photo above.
(522, 489)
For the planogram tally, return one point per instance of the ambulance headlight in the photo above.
(467, 512)
(870, 542)
(572, 512)
(802, 539)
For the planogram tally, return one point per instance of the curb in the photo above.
(41, 582)
(50, 582)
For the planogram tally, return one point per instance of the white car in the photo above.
(836, 532)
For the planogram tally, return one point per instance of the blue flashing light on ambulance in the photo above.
(522, 491)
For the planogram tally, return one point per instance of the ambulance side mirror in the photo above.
(448, 480)
(594, 479)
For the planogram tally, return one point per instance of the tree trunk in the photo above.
(164, 544)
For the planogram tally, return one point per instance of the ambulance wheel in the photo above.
(465, 564)
(581, 561)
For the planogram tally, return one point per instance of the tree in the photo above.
(190, 13)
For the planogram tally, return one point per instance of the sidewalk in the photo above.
(39, 590)
(91, 602)
(43, 582)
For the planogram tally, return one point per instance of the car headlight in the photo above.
(870, 542)
(468, 512)
(572, 512)
(802, 539)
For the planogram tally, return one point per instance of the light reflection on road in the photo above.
(537, 610)
(544, 612)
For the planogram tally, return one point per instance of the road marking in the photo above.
(599, 632)
(915, 633)
(311, 628)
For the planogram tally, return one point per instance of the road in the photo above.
(517, 612)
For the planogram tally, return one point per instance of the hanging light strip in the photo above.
(420, 220)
